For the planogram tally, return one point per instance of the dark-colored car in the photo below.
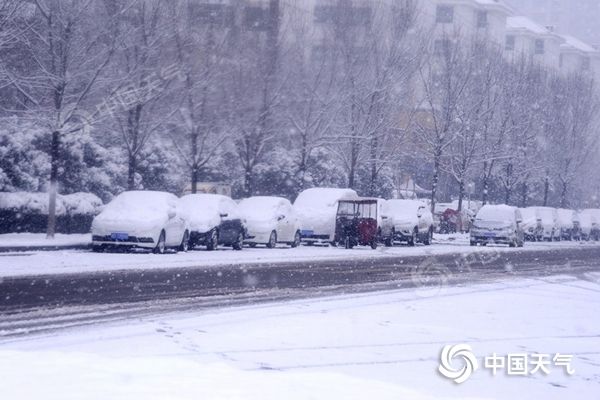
(356, 223)
(213, 220)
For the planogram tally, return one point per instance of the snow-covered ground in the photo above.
(378, 345)
(15, 240)
(69, 261)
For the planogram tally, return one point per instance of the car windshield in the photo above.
(260, 207)
(357, 209)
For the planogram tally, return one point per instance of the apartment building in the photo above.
(527, 39)
(579, 57)
(466, 18)
(579, 18)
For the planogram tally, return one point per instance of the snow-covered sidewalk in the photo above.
(383, 346)
(39, 240)
(70, 262)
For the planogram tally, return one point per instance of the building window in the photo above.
(482, 19)
(441, 47)
(539, 46)
(212, 14)
(444, 14)
(585, 64)
(510, 43)
(343, 14)
(256, 18)
(325, 14)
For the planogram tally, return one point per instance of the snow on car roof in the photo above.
(565, 216)
(142, 205)
(496, 213)
(203, 199)
(323, 197)
(260, 205)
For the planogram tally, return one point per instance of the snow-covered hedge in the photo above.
(28, 212)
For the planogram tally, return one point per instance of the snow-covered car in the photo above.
(408, 221)
(531, 226)
(316, 209)
(141, 219)
(585, 223)
(499, 224)
(594, 218)
(548, 220)
(213, 220)
(567, 228)
(270, 220)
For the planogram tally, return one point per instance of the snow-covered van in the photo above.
(316, 208)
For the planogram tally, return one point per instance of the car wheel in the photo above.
(185, 242)
(98, 249)
(272, 240)
(473, 243)
(239, 243)
(412, 241)
(374, 244)
(428, 238)
(161, 246)
(297, 239)
(213, 241)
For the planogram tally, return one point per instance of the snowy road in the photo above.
(383, 345)
(32, 304)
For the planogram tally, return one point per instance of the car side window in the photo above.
(229, 207)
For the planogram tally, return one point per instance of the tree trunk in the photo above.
(248, 182)
(303, 166)
(194, 157)
(131, 170)
(461, 194)
(53, 190)
(373, 180)
(507, 195)
(563, 195)
(524, 195)
(486, 184)
(546, 190)
(437, 159)
(194, 179)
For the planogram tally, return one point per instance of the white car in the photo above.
(141, 219)
(594, 217)
(531, 226)
(270, 220)
(567, 228)
(548, 220)
(317, 208)
(586, 225)
(408, 221)
(498, 224)
(213, 220)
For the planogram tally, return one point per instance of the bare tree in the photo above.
(203, 56)
(143, 74)
(445, 78)
(254, 88)
(69, 45)
(571, 129)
